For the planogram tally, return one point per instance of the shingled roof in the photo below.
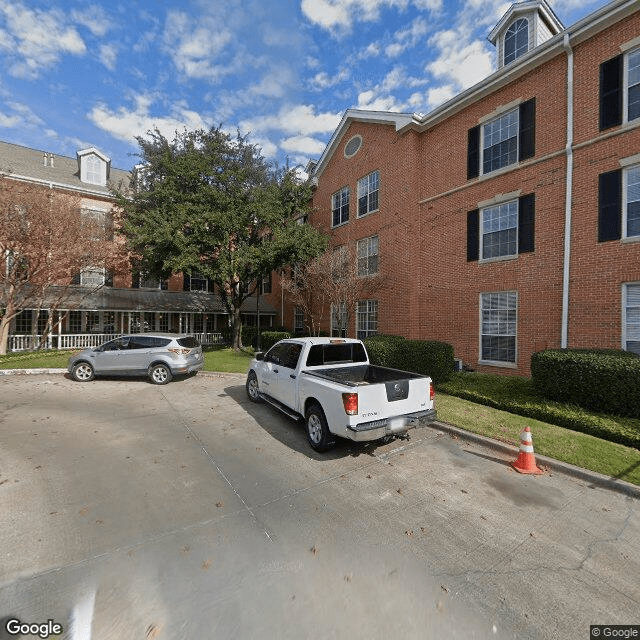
(60, 171)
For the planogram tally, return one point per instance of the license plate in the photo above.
(396, 424)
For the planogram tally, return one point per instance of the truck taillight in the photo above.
(432, 391)
(350, 402)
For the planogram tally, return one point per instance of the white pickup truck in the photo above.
(330, 384)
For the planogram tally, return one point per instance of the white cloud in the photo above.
(300, 120)
(108, 56)
(439, 95)
(341, 14)
(323, 80)
(460, 63)
(195, 45)
(369, 100)
(303, 145)
(126, 124)
(407, 38)
(19, 115)
(94, 18)
(34, 40)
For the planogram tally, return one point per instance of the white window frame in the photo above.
(625, 83)
(338, 203)
(367, 186)
(499, 319)
(630, 300)
(366, 250)
(298, 320)
(516, 55)
(367, 313)
(199, 277)
(93, 170)
(507, 113)
(483, 212)
(85, 276)
(625, 200)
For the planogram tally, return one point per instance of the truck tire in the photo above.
(318, 434)
(252, 387)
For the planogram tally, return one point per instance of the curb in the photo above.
(594, 478)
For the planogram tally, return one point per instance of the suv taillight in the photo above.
(432, 391)
(179, 351)
(350, 402)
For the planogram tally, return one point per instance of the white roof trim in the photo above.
(86, 152)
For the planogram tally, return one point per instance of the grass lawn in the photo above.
(580, 449)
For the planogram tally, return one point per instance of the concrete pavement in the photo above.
(133, 511)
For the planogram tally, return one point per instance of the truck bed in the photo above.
(359, 375)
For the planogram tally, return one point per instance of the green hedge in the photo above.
(426, 357)
(606, 381)
(269, 338)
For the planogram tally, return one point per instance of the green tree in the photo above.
(208, 202)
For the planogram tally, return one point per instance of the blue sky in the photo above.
(80, 74)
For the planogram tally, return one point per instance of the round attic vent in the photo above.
(352, 147)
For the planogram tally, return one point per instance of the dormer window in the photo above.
(516, 40)
(93, 166)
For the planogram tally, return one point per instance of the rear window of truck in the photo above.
(347, 353)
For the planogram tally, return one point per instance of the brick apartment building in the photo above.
(98, 303)
(507, 220)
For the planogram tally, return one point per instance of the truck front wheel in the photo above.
(318, 434)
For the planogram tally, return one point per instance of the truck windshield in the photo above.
(321, 354)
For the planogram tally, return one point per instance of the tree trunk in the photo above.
(4, 334)
(236, 328)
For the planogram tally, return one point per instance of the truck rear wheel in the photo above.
(318, 434)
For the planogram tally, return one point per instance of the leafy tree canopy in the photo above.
(208, 202)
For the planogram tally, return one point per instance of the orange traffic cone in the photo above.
(526, 462)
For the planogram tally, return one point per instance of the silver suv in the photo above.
(157, 355)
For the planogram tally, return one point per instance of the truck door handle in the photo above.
(275, 371)
(292, 376)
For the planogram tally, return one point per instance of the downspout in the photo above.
(564, 337)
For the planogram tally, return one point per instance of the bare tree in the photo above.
(328, 288)
(45, 240)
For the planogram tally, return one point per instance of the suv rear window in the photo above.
(349, 352)
(189, 342)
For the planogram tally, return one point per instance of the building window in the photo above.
(516, 40)
(265, 285)
(366, 318)
(339, 320)
(298, 320)
(368, 256)
(93, 169)
(198, 283)
(500, 142)
(631, 317)
(368, 189)
(353, 146)
(503, 141)
(498, 321)
(620, 89)
(75, 321)
(499, 235)
(619, 204)
(340, 207)
(98, 223)
(501, 230)
(93, 277)
(24, 322)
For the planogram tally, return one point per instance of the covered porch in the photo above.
(90, 319)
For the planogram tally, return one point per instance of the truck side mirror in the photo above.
(259, 355)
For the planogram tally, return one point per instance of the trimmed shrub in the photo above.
(427, 357)
(269, 338)
(607, 381)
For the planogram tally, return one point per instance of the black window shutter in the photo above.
(75, 279)
(163, 285)
(108, 279)
(186, 283)
(473, 237)
(526, 223)
(473, 152)
(210, 285)
(527, 130)
(611, 93)
(610, 205)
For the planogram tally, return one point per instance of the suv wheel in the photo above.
(160, 374)
(82, 372)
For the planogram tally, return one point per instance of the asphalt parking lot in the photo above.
(184, 511)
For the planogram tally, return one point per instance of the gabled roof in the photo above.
(399, 120)
(519, 8)
(30, 165)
